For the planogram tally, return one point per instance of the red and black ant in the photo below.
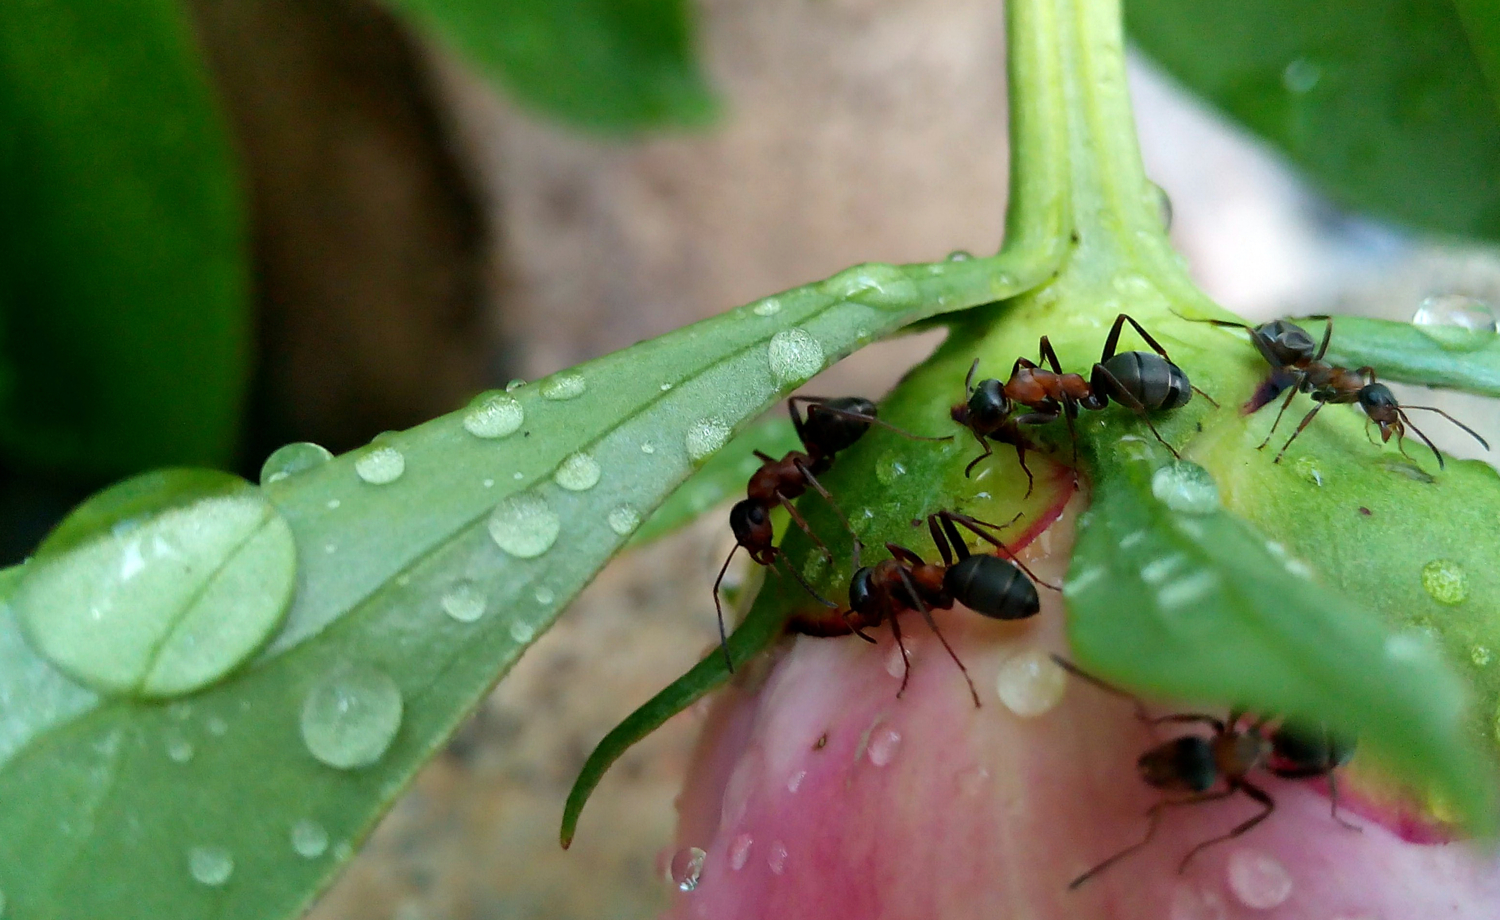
(1298, 366)
(1196, 764)
(988, 585)
(1140, 381)
(831, 425)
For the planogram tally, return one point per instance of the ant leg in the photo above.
(873, 420)
(1155, 345)
(903, 555)
(987, 451)
(1467, 430)
(723, 635)
(797, 421)
(960, 548)
(1048, 354)
(1205, 395)
(1113, 339)
(1253, 792)
(1140, 708)
(905, 655)
(818, 487)
(1129, 401)
(1070, 409)
(1153, 816)
(974, 524)
(946, 551)
(1291, 394)
(969, 380)
(1021, 459)
(1327, 335)
(927, 615)
(857, 630)
(1401, 438)
(802, 523)
(1192, 718)
(801, 580)
(1306, 420)
(1333, 798)
(1369, 437)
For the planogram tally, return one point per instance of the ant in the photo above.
(1298, 366)
(1196, 764)
(1138, 380)
(988, 585)
(831, 425)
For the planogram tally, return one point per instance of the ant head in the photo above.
(831, 432)
(1185, 763)
(1288, 342)
(1302, 747)
(1381, 406)
(752, 526)
(987, 406)
(862, 590)
(991, 587)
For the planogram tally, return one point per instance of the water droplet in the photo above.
(739, 851)
(1301, 76)
(522, 632)
(1187, 487)
(488, 483)
(1446, 581)
(1077, 584)
(960, 255)
(686, 868)
(290, 459)
(1030, 683)
(776, 858)
(768, 307)
(874, 284)
(464, 602)
(889, 468)
(493, 415)
(1308, 469)
(309, 839)
(1481, 656)
(895, 662)
(564, 386)
(524, 525)
(380, 465)
(1159, 570)
(1186, 592)
(210, 865)
(350, 717)
(624, 519)
(647, 447)
(794, 782)
(217, 726)
(514, 385)
(706, 436)
(332, 504)
(665, 387)
(883, 745)
(578, 473)
(1190, 902)
(814, 566)
(1130, 539)
(1456, 322)
(1257, 880)
(544, 595)
(179, 749)
(146, 588)
(794, 356)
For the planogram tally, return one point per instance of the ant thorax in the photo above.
(1237, 753)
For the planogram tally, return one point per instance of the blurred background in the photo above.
(238, 223)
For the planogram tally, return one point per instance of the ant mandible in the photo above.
(1195, 764)
(1297, 364)
(988, 585)
(831, 425)
(1140, 381)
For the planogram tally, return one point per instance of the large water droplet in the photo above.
(739, 851)
(290, 459)
(889, 468)
(1257, 880)
(1187, 487)
(309, 839)
(522, 632)
(1456, 322)
(577, 473)
(960, 255)
(883, 745)
(706, 436)
(1030, 683)
(1301, 76)
(350, 717)
(494, 415)
(464, 602)
(1446, 581)
(524, 525)
(514, 385)
(210, 865)
(564, 386)
(795, 356)
(159, 585)
(687, 867)
(768, 307)
(380, 465)
(624, 519)
(874, 284)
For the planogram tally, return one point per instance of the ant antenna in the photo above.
(973, 524)
(911, 589)
(723, 636)
(1471, 432)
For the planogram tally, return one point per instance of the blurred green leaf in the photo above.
(123, 304)
(608, 65)
(1382, 102)
(1481, 19)
(1440, 356)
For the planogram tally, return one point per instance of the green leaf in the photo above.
(1440, 356)
(607, 65)
(1382, 102)
(1172, 595)
(426, 563)
(1481, 19)
(123, 282)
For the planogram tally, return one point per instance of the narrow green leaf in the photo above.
(123, 283)
(426, 563)
(1172, 595)
(1481, 19)
(1440, 356)
(1382, 102)
(600, 64)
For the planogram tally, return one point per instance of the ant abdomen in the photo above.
(833, 431)
(992, 587)
(1151, 379)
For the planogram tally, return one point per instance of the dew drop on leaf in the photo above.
(1481, 656)
(524, 525)
(768, 307)
(1456, 322)
(210, 865)
(217, 726)
(960, 255)
(463, 602)
(179, 749)
(380, 465)
(290, 459)
(522, 632)
(564, 386)
(493, 415)
(350, 716)
(544, 595)
(578, 473)
(705, 436)
(159, 585)
(794, 357)
(624, 519)
(309, 839)
(1187, 487)
(686, 868)
(1445, 581)
(514, 385)
(1301, 76)
(883, 745)
(875, 284)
